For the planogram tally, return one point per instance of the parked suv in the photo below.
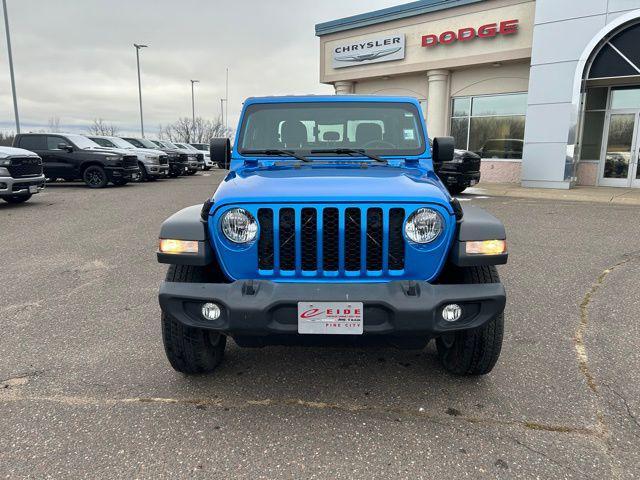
(153, 164)
(204, 149)
(20, 174)
(71, 157)
(188, 155)
(315, 237)
(199, 155)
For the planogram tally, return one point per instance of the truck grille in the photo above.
(25, 167)
(163, 160)
(130, 161)
(353, 240)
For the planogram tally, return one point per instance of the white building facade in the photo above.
(546, 91)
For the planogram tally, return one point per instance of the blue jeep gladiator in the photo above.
(331, 227)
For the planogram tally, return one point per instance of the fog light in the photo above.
(211, 311)
(452, 312)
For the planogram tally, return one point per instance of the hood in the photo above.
(148, 151)
(120, 151)
(15, 152)
(331, 184)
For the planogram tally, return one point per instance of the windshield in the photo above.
(118, 142)
(201, 146)
(141, 143)
(82, 142)
(168, 144)
(309, 128)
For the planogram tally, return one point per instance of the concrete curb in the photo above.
(615, 196)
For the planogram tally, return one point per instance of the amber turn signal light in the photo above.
(487, 247)
(168, 245)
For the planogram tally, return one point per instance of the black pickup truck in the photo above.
(461, 172)
(73, 157)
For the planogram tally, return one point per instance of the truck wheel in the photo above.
(143, 176)
(473, 352)
(95, 177)
(190, 350)
(456, 189)
(17, 198)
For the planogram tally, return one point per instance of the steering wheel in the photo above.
(379, 143)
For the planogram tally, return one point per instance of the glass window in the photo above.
(53, 142)
(461, 107)
(33, 142)
(500, 105)
(379, 127)
(103, 142)
(625, 98)
(592, 135)
(597, 98)
(491, 125)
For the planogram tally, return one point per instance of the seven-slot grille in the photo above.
(25, 167)
(331, 240)
(129, 161)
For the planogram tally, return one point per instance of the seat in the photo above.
(368, 133)
(293, 134)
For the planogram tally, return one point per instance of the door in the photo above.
(619, 166)
(60, 163)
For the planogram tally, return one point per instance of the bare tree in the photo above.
(54, 124)
(6, 139)
(200, 131)
(100, 127)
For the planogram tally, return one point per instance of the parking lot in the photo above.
(87, 391)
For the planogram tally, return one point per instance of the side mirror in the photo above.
(442, 150)
(220, 152)
(66, 147)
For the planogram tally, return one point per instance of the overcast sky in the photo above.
(74, 59)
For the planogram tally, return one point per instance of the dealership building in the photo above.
(546, 91)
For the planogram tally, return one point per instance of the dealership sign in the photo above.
(490, 30)
(364, 52)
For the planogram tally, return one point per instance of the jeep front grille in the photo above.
(328, 240)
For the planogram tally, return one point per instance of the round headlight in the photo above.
(424, 226)
(239, 226)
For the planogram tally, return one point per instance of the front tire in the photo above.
(473, 352)
(15, 199)
(94, 176)
(190, 350)
(143, 176)
(456, 189)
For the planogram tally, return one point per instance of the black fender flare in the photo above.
(477, 224)
(187, 224)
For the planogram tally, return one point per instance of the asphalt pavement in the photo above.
(86, 391)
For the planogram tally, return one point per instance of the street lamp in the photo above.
(138, 47)
(193, 104)
(13, 80)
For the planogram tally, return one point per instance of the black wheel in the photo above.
(473, 352)
(206, 169)
(190, 350)
(119, 182)
(456, 189)
(143, 176)
(17, 198)
(94, 176)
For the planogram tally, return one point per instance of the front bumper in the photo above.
(117, 173)
(399, 308)
(155, 170)
(21, 186)
(463, 179)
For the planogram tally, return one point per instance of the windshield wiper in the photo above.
(273, 151)
(352, 151)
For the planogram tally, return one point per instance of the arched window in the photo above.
(619, 56)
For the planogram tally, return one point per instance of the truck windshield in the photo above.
(332, 128)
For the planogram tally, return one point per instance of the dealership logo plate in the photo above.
(330, 318)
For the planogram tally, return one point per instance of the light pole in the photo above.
(138, 47)
(222, 100)
(193, 103)
(13, 80)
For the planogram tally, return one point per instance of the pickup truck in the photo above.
(331, 227)
(70, 157)
(20, 174)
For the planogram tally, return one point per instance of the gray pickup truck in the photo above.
(20, 174)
